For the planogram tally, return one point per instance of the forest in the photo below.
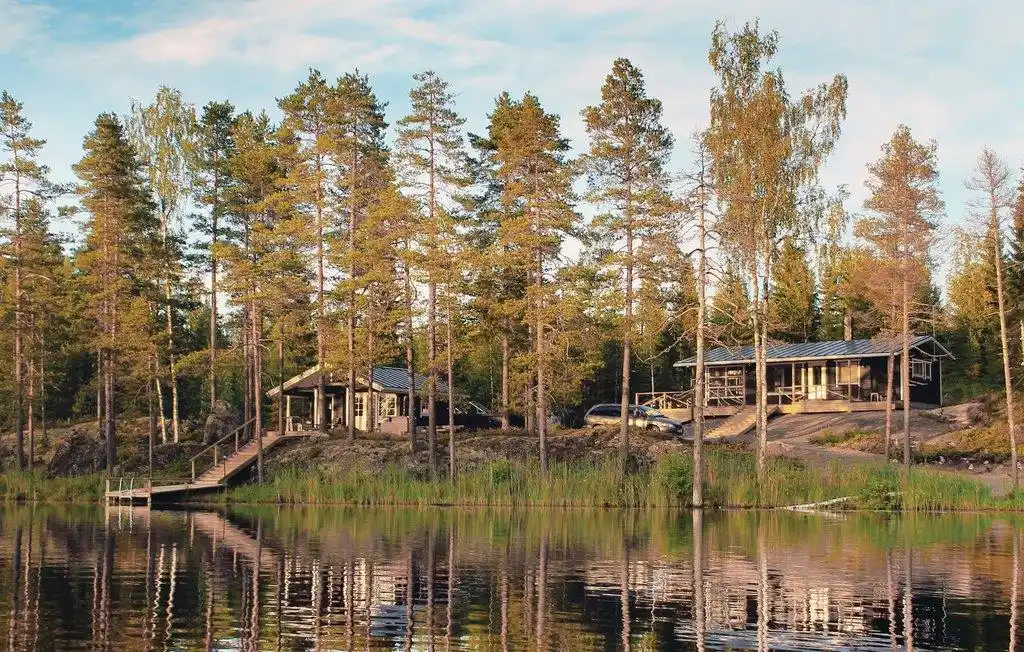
(214, 251)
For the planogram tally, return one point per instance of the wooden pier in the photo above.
(224, 466)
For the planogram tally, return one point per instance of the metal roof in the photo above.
(834, 350)
(387, 379)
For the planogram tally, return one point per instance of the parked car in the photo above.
(640, 416)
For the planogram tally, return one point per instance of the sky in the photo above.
(948, 69)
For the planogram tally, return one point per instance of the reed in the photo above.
(731, 482)
(36, 487)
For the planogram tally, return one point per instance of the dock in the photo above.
(226, 458)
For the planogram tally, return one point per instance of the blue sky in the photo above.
(950, 70)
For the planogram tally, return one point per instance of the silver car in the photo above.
(640, 416)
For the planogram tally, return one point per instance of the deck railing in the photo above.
(239, 437)
(666, 400)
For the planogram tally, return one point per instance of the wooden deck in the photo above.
(217, 477)
(826, 406)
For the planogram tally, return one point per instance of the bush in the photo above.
(673, 474)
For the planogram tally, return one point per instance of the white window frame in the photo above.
(359, 406)
(853, 367)
(387, 405)
(920, 369)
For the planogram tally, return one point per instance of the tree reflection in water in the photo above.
(348, 578)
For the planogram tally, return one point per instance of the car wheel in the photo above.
(652, 427)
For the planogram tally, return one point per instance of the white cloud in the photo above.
(20, 22)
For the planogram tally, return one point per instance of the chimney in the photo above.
(848, 325)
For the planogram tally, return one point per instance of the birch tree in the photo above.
(164, 135)
(629, 148)
(993, 184)
(766, 148)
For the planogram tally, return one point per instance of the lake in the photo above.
(287, 578)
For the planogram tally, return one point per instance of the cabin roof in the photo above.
(806, 351)
(385, 379)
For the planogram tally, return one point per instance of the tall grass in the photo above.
(34, 486)
(731, 482)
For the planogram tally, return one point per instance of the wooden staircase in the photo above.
(236, 458)
(739, 423)
(237, 462)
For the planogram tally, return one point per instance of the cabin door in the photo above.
(817, 383)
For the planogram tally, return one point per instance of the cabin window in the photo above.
(359, 408)
(847, 372)
(387, 405)
(921, 369)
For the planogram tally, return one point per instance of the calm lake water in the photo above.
(346, 579)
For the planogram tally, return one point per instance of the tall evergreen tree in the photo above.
(213, 183)
(22, 178)
(537, 214)
(431, 163)
(629, 149)
(792, 302)
(361, 158)
(121, 236)
(312, 121)
(903, 208)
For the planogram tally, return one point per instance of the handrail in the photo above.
(214, 445)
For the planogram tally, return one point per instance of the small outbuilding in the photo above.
(848, 374)
(389, 406)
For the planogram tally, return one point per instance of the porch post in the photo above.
(288, 411)
(316, 407)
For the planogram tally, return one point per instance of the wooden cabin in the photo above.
(848, 374)
(390, 407)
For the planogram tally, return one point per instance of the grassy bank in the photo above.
(35, 486)
(731, 482)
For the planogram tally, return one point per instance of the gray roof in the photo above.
(834, 350)
(386, 379)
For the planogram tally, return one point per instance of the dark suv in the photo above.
(640, 416)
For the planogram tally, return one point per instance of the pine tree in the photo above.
(730, 309)
(629, 148)
(537, 214)
(361, 158)
(792, 301)
(311, 119)
(164, 134)
(213, 183)
(903, 208)
(121, 236)
(22, 179)
(431, 161)
(766, 149)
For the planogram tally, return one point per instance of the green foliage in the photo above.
(792, 303)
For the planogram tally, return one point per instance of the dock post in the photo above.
(193, 470)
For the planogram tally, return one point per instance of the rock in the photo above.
(970, 467)
(77, 454)
(220, 422)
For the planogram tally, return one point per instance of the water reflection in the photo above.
(347, 579)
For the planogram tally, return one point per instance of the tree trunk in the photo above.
(504, 380)
(890, 371)
(627, 343)
(42, 385)
(432, 374)
(151, 412)
(761, 435)
(31, 404)
(213, 290)
(698, 385)
(246, 370)
(905, 373)
(160, 402)
(409, 355)
(542, 412)
(19, 356)
(321, 383)
(257, 388)
(451, 393)
(351, 325)
(172, 371)
(1004, 341)
(280, 386)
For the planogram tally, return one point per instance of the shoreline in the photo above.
(664, 483)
